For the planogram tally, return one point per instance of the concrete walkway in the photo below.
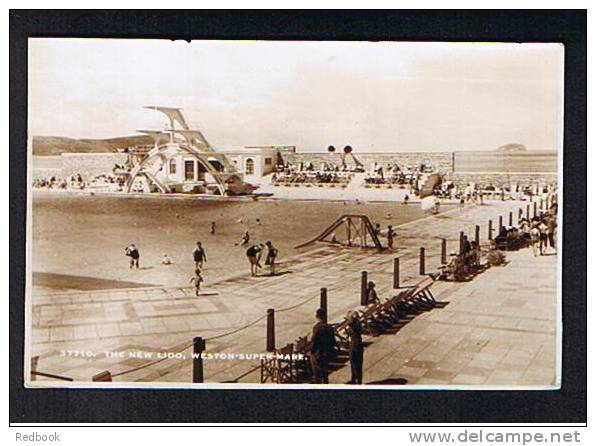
(482, 319)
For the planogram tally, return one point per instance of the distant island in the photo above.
(512, 148)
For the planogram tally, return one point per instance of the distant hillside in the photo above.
(55, 145)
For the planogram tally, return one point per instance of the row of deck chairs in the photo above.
(375, 319)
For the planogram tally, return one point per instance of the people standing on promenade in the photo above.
(323, 348)
(212, 230)
(271, 256)
(551, 224)
(356, 348)
(543, 228)
(390, 235)
(197, 279)
(199, 256)
(467, 245)
(371, 293)
(133, 252)
(462, 202)
(254, 254)
(535, 239)
(406, 199)
(166, 260)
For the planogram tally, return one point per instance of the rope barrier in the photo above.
(212, 338)
(296, 306)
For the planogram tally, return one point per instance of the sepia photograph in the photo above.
(294, 214)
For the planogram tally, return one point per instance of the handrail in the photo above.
(51, 375)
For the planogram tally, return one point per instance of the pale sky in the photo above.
(373, 96)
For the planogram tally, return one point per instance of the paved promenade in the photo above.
(496, 329)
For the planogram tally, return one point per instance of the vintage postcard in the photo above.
(257, 213)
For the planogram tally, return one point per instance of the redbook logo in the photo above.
(37, 437)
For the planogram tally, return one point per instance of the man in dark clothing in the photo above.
(199, 256)
(323, 348)
(271, 256)
(356, 349)
(254, 254)
(134, 255)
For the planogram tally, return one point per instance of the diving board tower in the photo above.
(181, 160)
(349, 230)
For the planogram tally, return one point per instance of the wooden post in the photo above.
(396, 273)
(510, 218)
(443, 251)
(422, 269)
(490, 229)
(477, 235)
(364, 288)
(541, 204)
(105, 376)
(500, 223)
(323, 302)
(528, 212)
(197, 360)
(535, 209)
(34, 362)
(270, 330)
(461, 242)
(520, 214)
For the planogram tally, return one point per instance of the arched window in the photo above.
(250, 167)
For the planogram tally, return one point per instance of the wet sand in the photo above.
(85, 236)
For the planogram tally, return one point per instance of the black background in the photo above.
(113, 406)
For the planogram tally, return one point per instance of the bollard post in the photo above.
(443, 251)
(541, 204)
(535, 209)
(270, 330)
(461, 242)
(198, 345)
(422, 269)
(520, 215)
(323, 302)
(396, 273)
(490, 229)
(528, 212)
(364, 288)
(477, 235)
(510, 218)
(500, 223)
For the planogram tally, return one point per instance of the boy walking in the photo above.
(197, 279)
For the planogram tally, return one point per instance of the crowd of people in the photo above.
(112, 181)
(311, 178)
(393, 174)
(328, 173)
(540, 233)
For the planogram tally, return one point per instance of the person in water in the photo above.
(254, 254)
(271, 256)
(133, 252)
